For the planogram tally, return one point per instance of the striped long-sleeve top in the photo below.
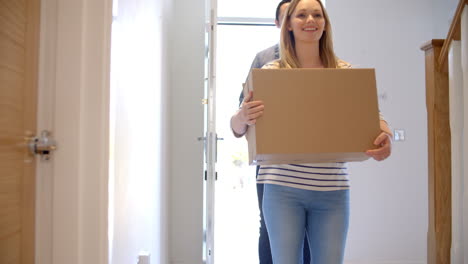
(311, 176)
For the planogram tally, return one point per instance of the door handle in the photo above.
(42, 145)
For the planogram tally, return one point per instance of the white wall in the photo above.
(165, 134)
(442, 14)
(158, 197)
(186, 52)
(139, 182)
(389, 216)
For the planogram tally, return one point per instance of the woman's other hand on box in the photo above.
(384, 143)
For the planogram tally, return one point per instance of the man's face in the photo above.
(281, 15)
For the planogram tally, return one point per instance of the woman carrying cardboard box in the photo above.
(306, 198)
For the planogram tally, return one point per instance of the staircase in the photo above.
(447, 113)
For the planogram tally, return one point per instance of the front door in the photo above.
(19, 38)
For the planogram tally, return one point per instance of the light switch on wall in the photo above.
(144, 258)
(398, 135)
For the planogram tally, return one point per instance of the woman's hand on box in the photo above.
(246, 115)
(250, 110)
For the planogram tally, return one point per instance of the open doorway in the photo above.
(236, 208)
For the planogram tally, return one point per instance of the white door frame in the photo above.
(211, 135)
(73, 103)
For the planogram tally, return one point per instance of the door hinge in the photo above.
(206, 175)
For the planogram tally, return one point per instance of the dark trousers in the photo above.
(264, 251)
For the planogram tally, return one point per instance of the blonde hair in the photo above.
(288, 56)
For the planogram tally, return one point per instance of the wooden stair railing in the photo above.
(439, 236)
(453, 34)
(439, 156)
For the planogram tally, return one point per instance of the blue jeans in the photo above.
(264, 251)
(290, 213)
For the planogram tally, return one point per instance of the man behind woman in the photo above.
(262, 58)
(302, 199)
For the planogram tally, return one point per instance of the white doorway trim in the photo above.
(73, 103)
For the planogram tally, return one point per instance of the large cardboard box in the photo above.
(313, 115)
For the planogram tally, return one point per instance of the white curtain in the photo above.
(458, 83)
(137, 200)
(464, 62)
(456, 129)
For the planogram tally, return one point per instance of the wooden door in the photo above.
(19, 38)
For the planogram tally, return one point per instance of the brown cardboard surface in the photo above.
(313, 115)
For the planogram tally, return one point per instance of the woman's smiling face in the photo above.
(307, 21)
